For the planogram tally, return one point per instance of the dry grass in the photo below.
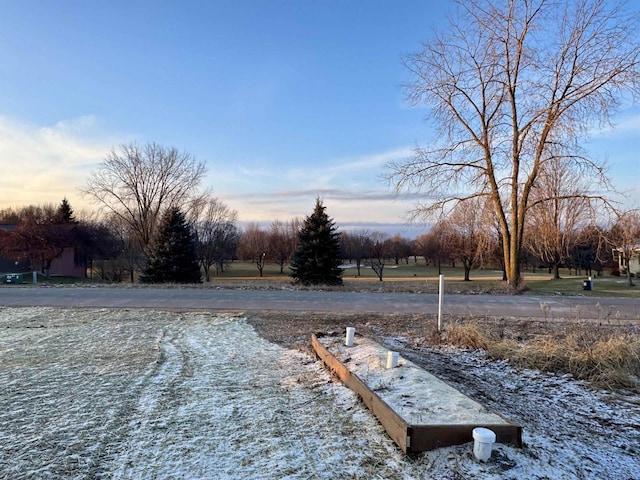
(604, 357)
(469, 335)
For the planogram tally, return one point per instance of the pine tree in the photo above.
(318, 256)
(173, 257)
(65, 213)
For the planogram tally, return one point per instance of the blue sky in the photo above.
(284, 100)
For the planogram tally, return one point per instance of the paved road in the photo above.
(625, 309)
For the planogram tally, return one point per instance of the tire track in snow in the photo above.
(65, 386)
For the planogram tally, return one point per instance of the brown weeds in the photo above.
(468, 335)
(606, 358)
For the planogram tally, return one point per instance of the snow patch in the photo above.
(150, 394)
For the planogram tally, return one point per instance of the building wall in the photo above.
(65, 265)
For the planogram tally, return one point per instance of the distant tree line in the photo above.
(157, 225)
(466, 238)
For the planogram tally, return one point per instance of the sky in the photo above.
(284, 101)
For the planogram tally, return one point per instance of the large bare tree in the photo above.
(137, 183)
(510, 86)
(559, 212)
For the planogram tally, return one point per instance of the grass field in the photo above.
(418, 277)
(540, 283)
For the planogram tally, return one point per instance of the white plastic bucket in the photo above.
(483, 440)
(351, 332)
(392, 359)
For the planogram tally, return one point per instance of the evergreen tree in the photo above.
(318, 256)
(65, 213)
(173, 257)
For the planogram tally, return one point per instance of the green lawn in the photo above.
(539, 283)
(606, 286)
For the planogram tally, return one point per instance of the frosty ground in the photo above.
(167, 395)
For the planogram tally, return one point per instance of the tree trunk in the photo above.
(467, 270)
(511, 242)
(556, 271)
(512, 267)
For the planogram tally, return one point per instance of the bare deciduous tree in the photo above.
(399, 248)
(558, 212)
(132, 255)
(434, 246)
(138, 183)
(590, 250)
(469, 237)
(253, 246)
(282, 242)
(378, 254)
(357, 246)
(216, 234)
(512, 85)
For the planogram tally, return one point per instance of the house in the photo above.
(634, 261)
(67, 263)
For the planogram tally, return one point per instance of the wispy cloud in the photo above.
(42, 164)
(625, 125)
(349, 186)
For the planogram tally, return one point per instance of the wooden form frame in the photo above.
(412, 438)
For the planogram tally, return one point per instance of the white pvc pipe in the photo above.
(440, 294)
(392, 359)
(351, 332)
(483, 443)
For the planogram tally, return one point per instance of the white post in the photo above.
(440, 294)
(348, 341)
(35, 278)
(392, 359)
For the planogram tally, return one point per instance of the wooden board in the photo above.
(395, 426)
(430, 437)
(413, 438)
